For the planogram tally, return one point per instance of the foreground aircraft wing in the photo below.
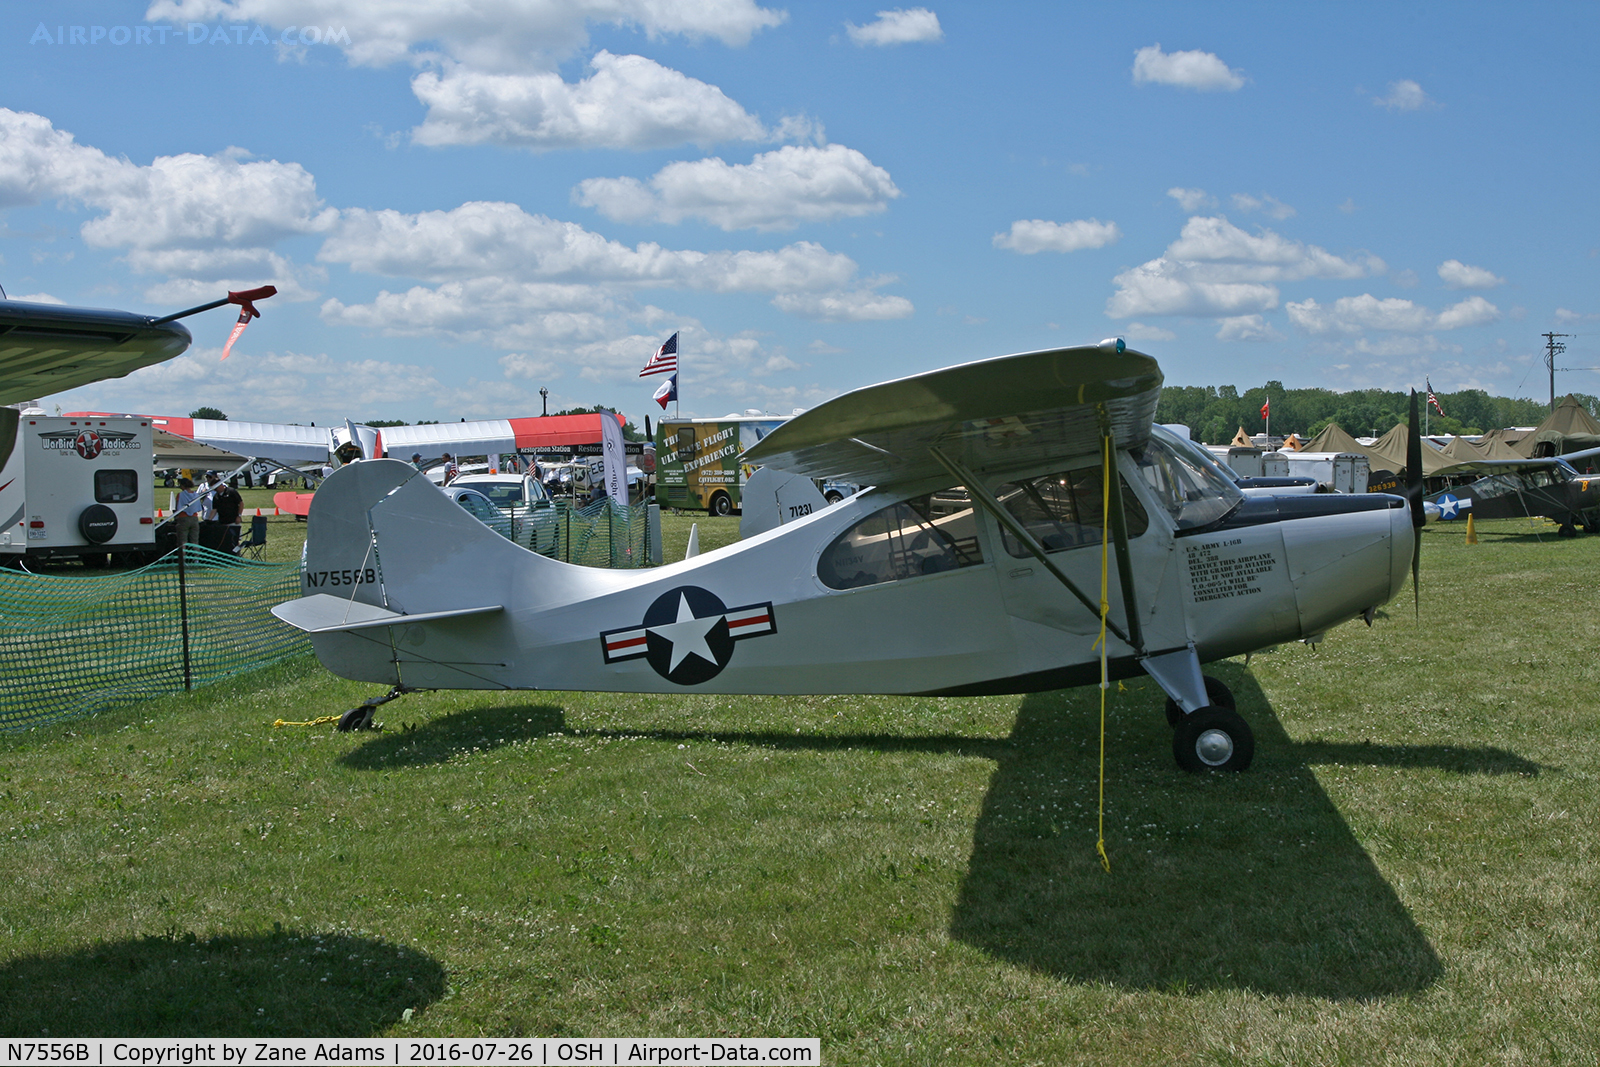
(47, 348)
(993, 414)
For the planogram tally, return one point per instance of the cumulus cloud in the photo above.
(1457, 275)
(1200, 71)
(496, 264)
(1247, 328)
(1405, 95)
(1216, 269)
(271, 386)
(1138, 331)
(487, 238)
(1192, 200)
(629, 102)
(1269, 205)
(859, 305)
(899, 26)
(201, 218)
(775, 191)
(498, 35)
(1564, 316)
(492, 67)
(1029, 236)
(1355, 314)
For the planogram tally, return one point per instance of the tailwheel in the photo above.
(1218, 694)
(356, 719)
(1213, 739)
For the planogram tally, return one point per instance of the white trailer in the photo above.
(78, 486)
(1341, 472)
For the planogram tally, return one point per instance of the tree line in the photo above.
(1215, 413)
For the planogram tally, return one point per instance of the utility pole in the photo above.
(1552, 349)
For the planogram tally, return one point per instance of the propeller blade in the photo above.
(1419, 516)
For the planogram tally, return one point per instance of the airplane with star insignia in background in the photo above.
(1010, 499)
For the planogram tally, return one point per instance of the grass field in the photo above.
(1408, 874)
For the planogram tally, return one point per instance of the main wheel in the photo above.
(720, 504)
(1218, 694)
(1213, 739)
(834, 496)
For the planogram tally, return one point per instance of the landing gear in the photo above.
(360, 718)
(356, 719)
(1218, 694)
(1213, 739)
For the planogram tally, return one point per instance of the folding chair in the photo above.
(252, 547)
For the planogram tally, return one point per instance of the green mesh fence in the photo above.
(600, 534)
(604, 534)
(70, 646)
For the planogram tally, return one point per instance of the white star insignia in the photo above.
(688, 634)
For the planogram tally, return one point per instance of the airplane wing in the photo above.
(46, 348)
(1498, 466)
(994, 414)
(289, 444)
(493, 435)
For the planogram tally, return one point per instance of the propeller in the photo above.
(1419, 516)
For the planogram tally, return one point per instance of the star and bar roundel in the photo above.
(688, 634)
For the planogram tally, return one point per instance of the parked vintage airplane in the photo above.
(976, 564)
(47, 348)
(1554, 487)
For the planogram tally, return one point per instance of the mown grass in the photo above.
(1408, 873)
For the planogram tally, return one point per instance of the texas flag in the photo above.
(667, 392)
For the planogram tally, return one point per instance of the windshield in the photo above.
(1187, 480)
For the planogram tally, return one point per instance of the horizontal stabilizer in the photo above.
(321, 613)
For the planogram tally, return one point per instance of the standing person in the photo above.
(451, 471)
(187, 518)
(227, 503)
(208, 496)
(416, 460)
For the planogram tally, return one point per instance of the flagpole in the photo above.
(677, 393)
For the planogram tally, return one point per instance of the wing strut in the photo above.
(1119, 541)
(987, 501)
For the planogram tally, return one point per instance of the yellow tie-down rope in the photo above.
(1108, 470)
(311, 722)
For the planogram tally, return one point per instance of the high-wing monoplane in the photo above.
(1011, 499)
(1556, 487)
(46, 348)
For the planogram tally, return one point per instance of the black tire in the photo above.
(1219, 695)
(721, 504)
(355, 719)
(834, 496)
(1213, 739)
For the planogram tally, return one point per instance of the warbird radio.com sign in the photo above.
(89, 444)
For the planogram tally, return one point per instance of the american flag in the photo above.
(665, 361)
(1433, 399)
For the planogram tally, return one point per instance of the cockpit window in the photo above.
(1187, 481)
(1065, 510)
(924, 535)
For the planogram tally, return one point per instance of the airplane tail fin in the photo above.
(404, 587)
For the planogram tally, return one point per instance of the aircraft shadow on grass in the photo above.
(1249, 881)
(281, 984)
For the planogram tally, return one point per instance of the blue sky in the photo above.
(463, 202)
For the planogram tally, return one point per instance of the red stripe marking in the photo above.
(614, 644)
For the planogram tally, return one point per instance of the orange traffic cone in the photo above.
(1472, 531)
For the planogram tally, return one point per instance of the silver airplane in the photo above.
(1005, 495)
